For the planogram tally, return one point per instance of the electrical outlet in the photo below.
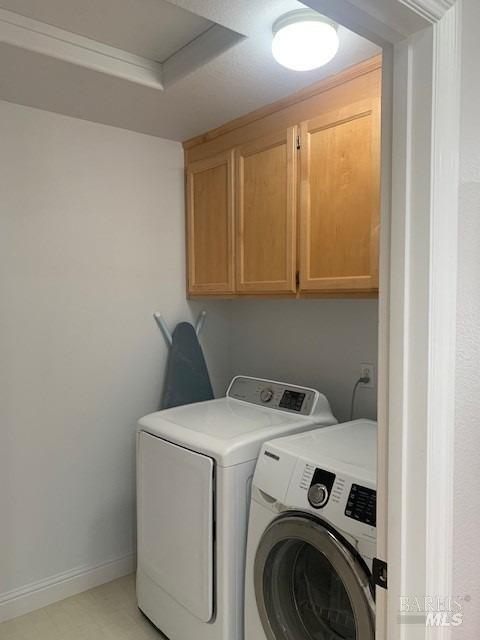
(368, 371)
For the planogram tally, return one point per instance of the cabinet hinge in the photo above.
(380, 573)
(298, 142)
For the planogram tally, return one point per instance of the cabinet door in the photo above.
(340, 199)
(210, 225)
(266, 214)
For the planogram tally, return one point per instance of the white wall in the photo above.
(91, 243)
(467, 444)
(320, 343)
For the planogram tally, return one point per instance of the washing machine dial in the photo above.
(266, 394)
(317, 495)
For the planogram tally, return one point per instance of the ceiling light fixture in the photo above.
(304, 40)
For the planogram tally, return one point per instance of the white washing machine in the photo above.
(312, 537)
(195, 465)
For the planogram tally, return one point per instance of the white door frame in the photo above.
(421, 112)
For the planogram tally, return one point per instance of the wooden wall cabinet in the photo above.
(340, 199)
(266, 204)
(286, 201)
(210, 225)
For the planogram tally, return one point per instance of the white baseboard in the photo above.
(63, 585)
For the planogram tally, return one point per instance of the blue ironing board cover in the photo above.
(187, 379)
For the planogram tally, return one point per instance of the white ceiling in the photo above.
(239, 80)
(154, 29)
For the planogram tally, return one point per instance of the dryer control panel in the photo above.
(274, 395)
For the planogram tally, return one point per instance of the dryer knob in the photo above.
(317, 495)
(266, 394)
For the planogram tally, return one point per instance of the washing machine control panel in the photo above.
(275, 395)
(346, 502)
(362, 505)
(320, 488)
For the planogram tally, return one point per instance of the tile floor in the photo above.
(108, 612)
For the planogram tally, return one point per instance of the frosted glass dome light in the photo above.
(304, 40)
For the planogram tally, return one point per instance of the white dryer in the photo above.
(312, 537)
(195, 465)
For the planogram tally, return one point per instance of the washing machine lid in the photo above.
(228, 430)
(349, 448)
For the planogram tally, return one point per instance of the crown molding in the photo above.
(45, 39)
(198, 52)
(431, 10)
(40, 37)
(384, 21)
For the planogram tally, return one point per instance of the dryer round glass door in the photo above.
(309, 586)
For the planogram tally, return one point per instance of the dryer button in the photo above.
(317, 495)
